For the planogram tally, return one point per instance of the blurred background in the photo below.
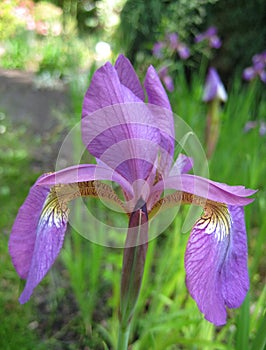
(49, 51)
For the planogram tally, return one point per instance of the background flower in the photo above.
(258, 69)
(210, 35)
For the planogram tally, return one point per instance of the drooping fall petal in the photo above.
(216, 262)
(23, 234)
(84, 172)
(49, 240)
(207, 189)
(38, 232)
(37, 237)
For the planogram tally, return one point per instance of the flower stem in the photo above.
(123, 338)
(134, 256)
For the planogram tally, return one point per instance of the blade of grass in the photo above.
(243, 324)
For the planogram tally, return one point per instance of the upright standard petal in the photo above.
(163, 117)
(128, 77)
(117, 127)
(155, 91)
(106, 89)
(125, 138)
(216, 261)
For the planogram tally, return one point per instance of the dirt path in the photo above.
(23, 102)
(41, 110)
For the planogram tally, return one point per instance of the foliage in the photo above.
(17, 52)
(143, 22)
(9, 23)
(185, 17)
(38, 42)
(15, 179)
(242, 26)
(60, 57)
(14, 156)
(138, 26)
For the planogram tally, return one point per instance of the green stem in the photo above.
(123, 338)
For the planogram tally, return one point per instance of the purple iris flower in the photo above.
(211, 36)
(214, 88)
(259, 58)
(166, 78)
(262, 130)
(176, 45)
(134, 147)
(258, 69)
(252, 124)
(214, 94)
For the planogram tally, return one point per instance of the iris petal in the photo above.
(84, 172)
(163, 117)
(50, 235)
(128, 77)
(216, 261)
(105, 90)
(155, 91)
(23, 234)
(205, 188)
(117, 127)
(38, 232)
(235, 281)
(214, 88)
(37, 237)
(125, 138)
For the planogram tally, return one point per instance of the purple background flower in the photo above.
(210, 35)
(214, 88)
(258, 69)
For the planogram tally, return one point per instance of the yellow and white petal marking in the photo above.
(55, 210)
(215, 219)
